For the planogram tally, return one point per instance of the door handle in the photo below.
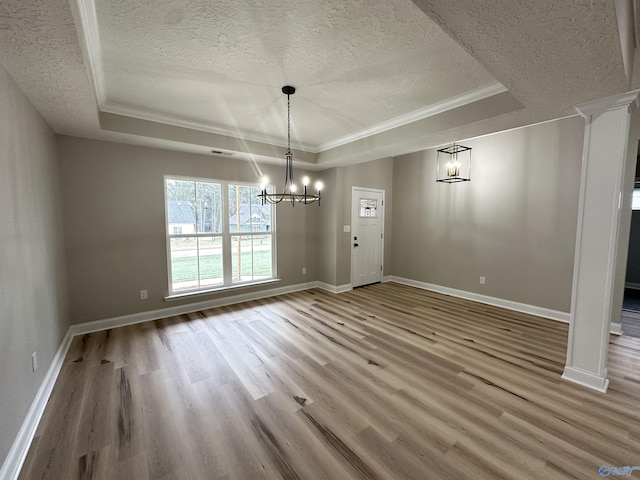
(355, 244)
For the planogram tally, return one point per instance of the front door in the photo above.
(367, 220)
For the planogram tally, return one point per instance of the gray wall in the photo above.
(335, 246)
(113, 204)
(514, 223)
(33, 310)
(327, 227)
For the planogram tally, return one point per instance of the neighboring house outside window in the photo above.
(251, 218)
(180, 217)
(218, 235)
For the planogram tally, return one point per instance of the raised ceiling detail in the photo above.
(374, 78)
(218, 66)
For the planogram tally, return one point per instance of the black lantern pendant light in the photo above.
(453, 164)
(289, 192)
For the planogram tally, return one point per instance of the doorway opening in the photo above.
(630, 318)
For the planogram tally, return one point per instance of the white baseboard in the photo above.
(476, 297)
(13, 463)
(334, 288)
(586, 379)
(616, 328)
(114, 322)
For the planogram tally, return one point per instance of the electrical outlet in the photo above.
(34, 361)
(143, 294)
(482, 280)
(304, 270)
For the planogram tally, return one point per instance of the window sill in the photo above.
(226, 288)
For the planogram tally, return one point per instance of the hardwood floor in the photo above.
(630, 320)
(383, 382)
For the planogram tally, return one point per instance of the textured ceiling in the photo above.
(374, 77)
(39, 47)
(221, 64)
(550, 54)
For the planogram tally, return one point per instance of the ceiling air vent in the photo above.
(221, 152)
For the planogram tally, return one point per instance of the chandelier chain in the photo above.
(288, 122)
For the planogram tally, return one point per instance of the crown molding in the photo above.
(90, 43)
(127, 111)
(629, 99)
(420, 114)
(85, 12)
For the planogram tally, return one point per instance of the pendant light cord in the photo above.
(288, 122)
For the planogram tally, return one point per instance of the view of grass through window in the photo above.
(200, 237)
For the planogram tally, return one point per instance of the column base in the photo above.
(586, 379)
(615, 328)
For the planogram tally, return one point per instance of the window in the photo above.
(218, 235)
(635, 199)
(368, 208)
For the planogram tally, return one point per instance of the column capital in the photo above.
(629, 99)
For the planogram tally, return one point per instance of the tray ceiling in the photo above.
(219, 66)
(373, 78)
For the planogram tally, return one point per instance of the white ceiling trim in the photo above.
(118, 109)
(91, 38)
(86, 11)
(629, 99)
(425, 112)
(420, 114)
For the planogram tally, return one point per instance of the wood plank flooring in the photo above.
(384, 382)
(630, 320)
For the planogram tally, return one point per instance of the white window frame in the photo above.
(226, 235)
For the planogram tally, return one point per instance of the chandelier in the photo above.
(290, 190)
(453, 164)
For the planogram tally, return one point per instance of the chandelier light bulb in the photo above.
(319, 185)
(293, 188)
(305, 181)
(264, 182)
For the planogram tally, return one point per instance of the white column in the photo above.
(603, 167)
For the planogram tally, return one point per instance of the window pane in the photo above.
(184, 263)
(239, 208)
(197, 235)
(210, 249)
(260, 213)
(245, 212)
(181, 215)
(635, 200)
(208, 207)
(250, 257)
(368, 208)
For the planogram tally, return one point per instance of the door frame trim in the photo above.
(353, 218)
